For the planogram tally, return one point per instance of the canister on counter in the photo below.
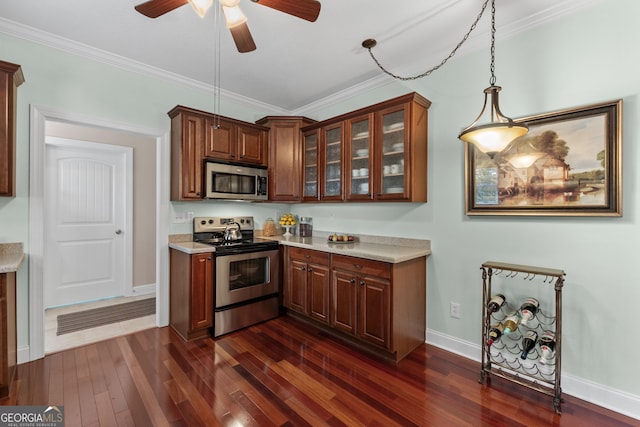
(306, 226)
(269, 228)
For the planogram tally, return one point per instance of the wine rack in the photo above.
(502, 358)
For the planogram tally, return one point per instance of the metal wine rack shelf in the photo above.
(502, 359)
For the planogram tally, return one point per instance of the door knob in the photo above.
(118, 231)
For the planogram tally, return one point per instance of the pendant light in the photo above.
(490, 136)
(492, 131)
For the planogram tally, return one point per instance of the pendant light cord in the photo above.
(216, 68)
(369, 44)
(492, 81)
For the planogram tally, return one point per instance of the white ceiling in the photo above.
(297, 63)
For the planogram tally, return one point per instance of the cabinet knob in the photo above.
(357, 266)
(362, 283)
(302, 269)
(352, 281)
(310, 269)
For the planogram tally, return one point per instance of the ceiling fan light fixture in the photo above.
(232, 13)
(201, 6)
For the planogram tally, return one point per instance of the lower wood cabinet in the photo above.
(376, 305)
(8, 343)
(191, 293)
(308, 283)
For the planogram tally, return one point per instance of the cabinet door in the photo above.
(188, 151)
(318, 288)
(359, 167)
(221, 140)
(251, 145)
(284, 161)
(297, 295)
(345, 302)
(332, 165)
(392, 129)
(375, 311)
(201, 291)
(310, 161)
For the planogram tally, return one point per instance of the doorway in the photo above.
(155, 224)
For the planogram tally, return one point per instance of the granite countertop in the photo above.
(192, 247)
(11, 257)
(378, 248)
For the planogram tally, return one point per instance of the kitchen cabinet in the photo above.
(323, 157)
(378, 306)
(386, 153)
(194, 138)
(8, 343)
(10, 78)
(232, 140)
(307, 286)
(285, 156)
(188, 129)
(191, 293)
(361, 293)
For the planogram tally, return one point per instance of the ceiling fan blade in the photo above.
(155, 8)
(304, 9)
(242, 37)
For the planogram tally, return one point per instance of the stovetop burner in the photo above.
(210, 231)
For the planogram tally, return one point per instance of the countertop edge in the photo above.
(11, 257)
(192, 247)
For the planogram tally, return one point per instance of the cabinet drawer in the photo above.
(362, 266)
(309, 255)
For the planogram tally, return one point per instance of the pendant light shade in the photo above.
(491, 131)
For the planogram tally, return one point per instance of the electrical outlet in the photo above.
(454, 310)
(190, 216)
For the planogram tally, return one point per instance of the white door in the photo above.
(87, 221)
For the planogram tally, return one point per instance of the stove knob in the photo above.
(210, 221)
(203, 222)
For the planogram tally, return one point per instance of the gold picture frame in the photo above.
(569, 164)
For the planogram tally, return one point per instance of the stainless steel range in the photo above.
(247, 272)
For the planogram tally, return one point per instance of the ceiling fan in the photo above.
(236, 21)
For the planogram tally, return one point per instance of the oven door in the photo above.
(245, 276)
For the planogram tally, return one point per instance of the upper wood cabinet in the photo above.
(10, 78)
(188, 130)
(285, 156)
(236, 141)
(382, 153)
(196, 135)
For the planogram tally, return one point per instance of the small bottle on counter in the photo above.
(306, 226)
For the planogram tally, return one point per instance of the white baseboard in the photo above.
(598, 394)
(143, 289)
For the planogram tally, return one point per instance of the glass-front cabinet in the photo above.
(359, 137)
(393, 170)
(331, 142)
(310, 161)
(376, 153)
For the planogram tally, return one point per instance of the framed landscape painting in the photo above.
(569, 164)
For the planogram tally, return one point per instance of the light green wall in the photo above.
(578, 60)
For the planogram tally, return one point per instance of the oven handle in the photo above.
(240, 250)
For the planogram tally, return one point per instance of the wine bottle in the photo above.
(528, 342)
(496, 302)
(511, 322)
(548, 346)
(528, 310)
(495, 332)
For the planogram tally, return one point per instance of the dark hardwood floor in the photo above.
(280, 373)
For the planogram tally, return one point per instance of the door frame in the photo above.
(39, 115)
(127, 152)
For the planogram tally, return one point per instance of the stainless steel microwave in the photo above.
(236, 182)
